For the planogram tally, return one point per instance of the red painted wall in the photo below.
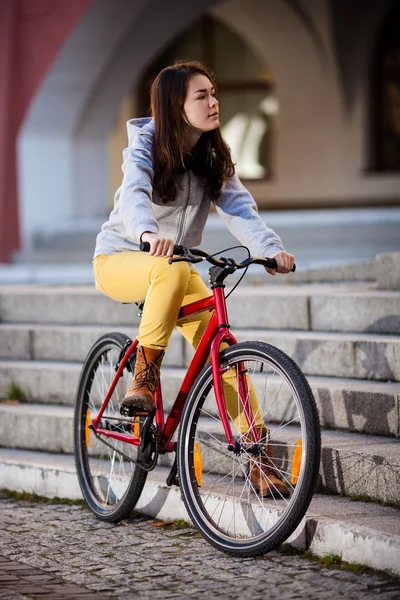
(31, 34)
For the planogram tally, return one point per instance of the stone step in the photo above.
(341, 307)
(36, 341)
(362, 533)
(351, 404)
(332, 354)
(360, 466)
(37, 427)
(352, 464)
(359, 356)
(67, 270)
(359, 406)
(347, 308)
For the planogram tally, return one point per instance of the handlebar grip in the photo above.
(145, 247)
(274, 265)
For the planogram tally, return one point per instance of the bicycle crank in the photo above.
(148, 450)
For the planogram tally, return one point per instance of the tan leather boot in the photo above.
(140, 393)
(263, 475)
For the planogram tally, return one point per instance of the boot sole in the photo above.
(138, 403)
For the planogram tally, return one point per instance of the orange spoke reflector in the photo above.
(198, 464)
(136, 427)
(296, 462)
(87, 430)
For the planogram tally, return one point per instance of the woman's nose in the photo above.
(212, 101)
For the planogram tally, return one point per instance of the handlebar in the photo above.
(195, 255)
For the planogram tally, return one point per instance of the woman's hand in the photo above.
(285, 262)
(159, 246)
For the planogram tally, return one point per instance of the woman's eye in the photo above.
(201, 98)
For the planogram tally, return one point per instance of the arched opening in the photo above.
(386, 95)
(62, 145)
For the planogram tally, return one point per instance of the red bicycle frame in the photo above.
(216, 333)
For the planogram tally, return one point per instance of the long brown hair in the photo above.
(211, 157)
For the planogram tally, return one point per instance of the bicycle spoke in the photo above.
(108, 478)
(246, 491)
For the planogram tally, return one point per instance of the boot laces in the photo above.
(149, 376)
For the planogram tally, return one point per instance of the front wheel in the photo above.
(249, 501)
(110, 481)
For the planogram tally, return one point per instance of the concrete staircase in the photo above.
(345, 337)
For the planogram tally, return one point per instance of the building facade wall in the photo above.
(31, 34)
(66, 68)
(321, 141)
(94, 70)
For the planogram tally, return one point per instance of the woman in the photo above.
(176, 164)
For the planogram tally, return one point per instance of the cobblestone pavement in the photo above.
(135, 559)
(18, 580)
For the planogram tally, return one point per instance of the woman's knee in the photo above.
(177, 274)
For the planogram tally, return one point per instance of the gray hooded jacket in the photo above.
(137, 208)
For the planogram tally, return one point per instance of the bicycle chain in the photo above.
(135, 462)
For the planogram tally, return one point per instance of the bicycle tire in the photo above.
(223, 505)
(110, 484)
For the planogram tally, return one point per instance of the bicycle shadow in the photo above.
(352, 411)
(161, 502)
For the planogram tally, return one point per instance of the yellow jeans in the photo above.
(136, 276)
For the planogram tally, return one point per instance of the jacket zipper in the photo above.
(182, 221)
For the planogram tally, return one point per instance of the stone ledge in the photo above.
(366, 534)
(363, 406)
(332, 354)
(388, 271)
(352, 464)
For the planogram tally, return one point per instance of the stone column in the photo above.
(9, 234)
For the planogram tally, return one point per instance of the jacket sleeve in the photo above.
(135, 206)
(239, 211)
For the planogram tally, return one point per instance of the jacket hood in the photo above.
(135, 126)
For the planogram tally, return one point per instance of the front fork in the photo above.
(224, 335)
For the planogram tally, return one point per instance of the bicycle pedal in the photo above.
(132, 411)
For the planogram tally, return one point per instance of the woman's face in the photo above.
(201, 105)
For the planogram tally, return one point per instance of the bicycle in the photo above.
(216, 448)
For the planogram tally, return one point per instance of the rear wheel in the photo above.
(219, 485)
(110, 482)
